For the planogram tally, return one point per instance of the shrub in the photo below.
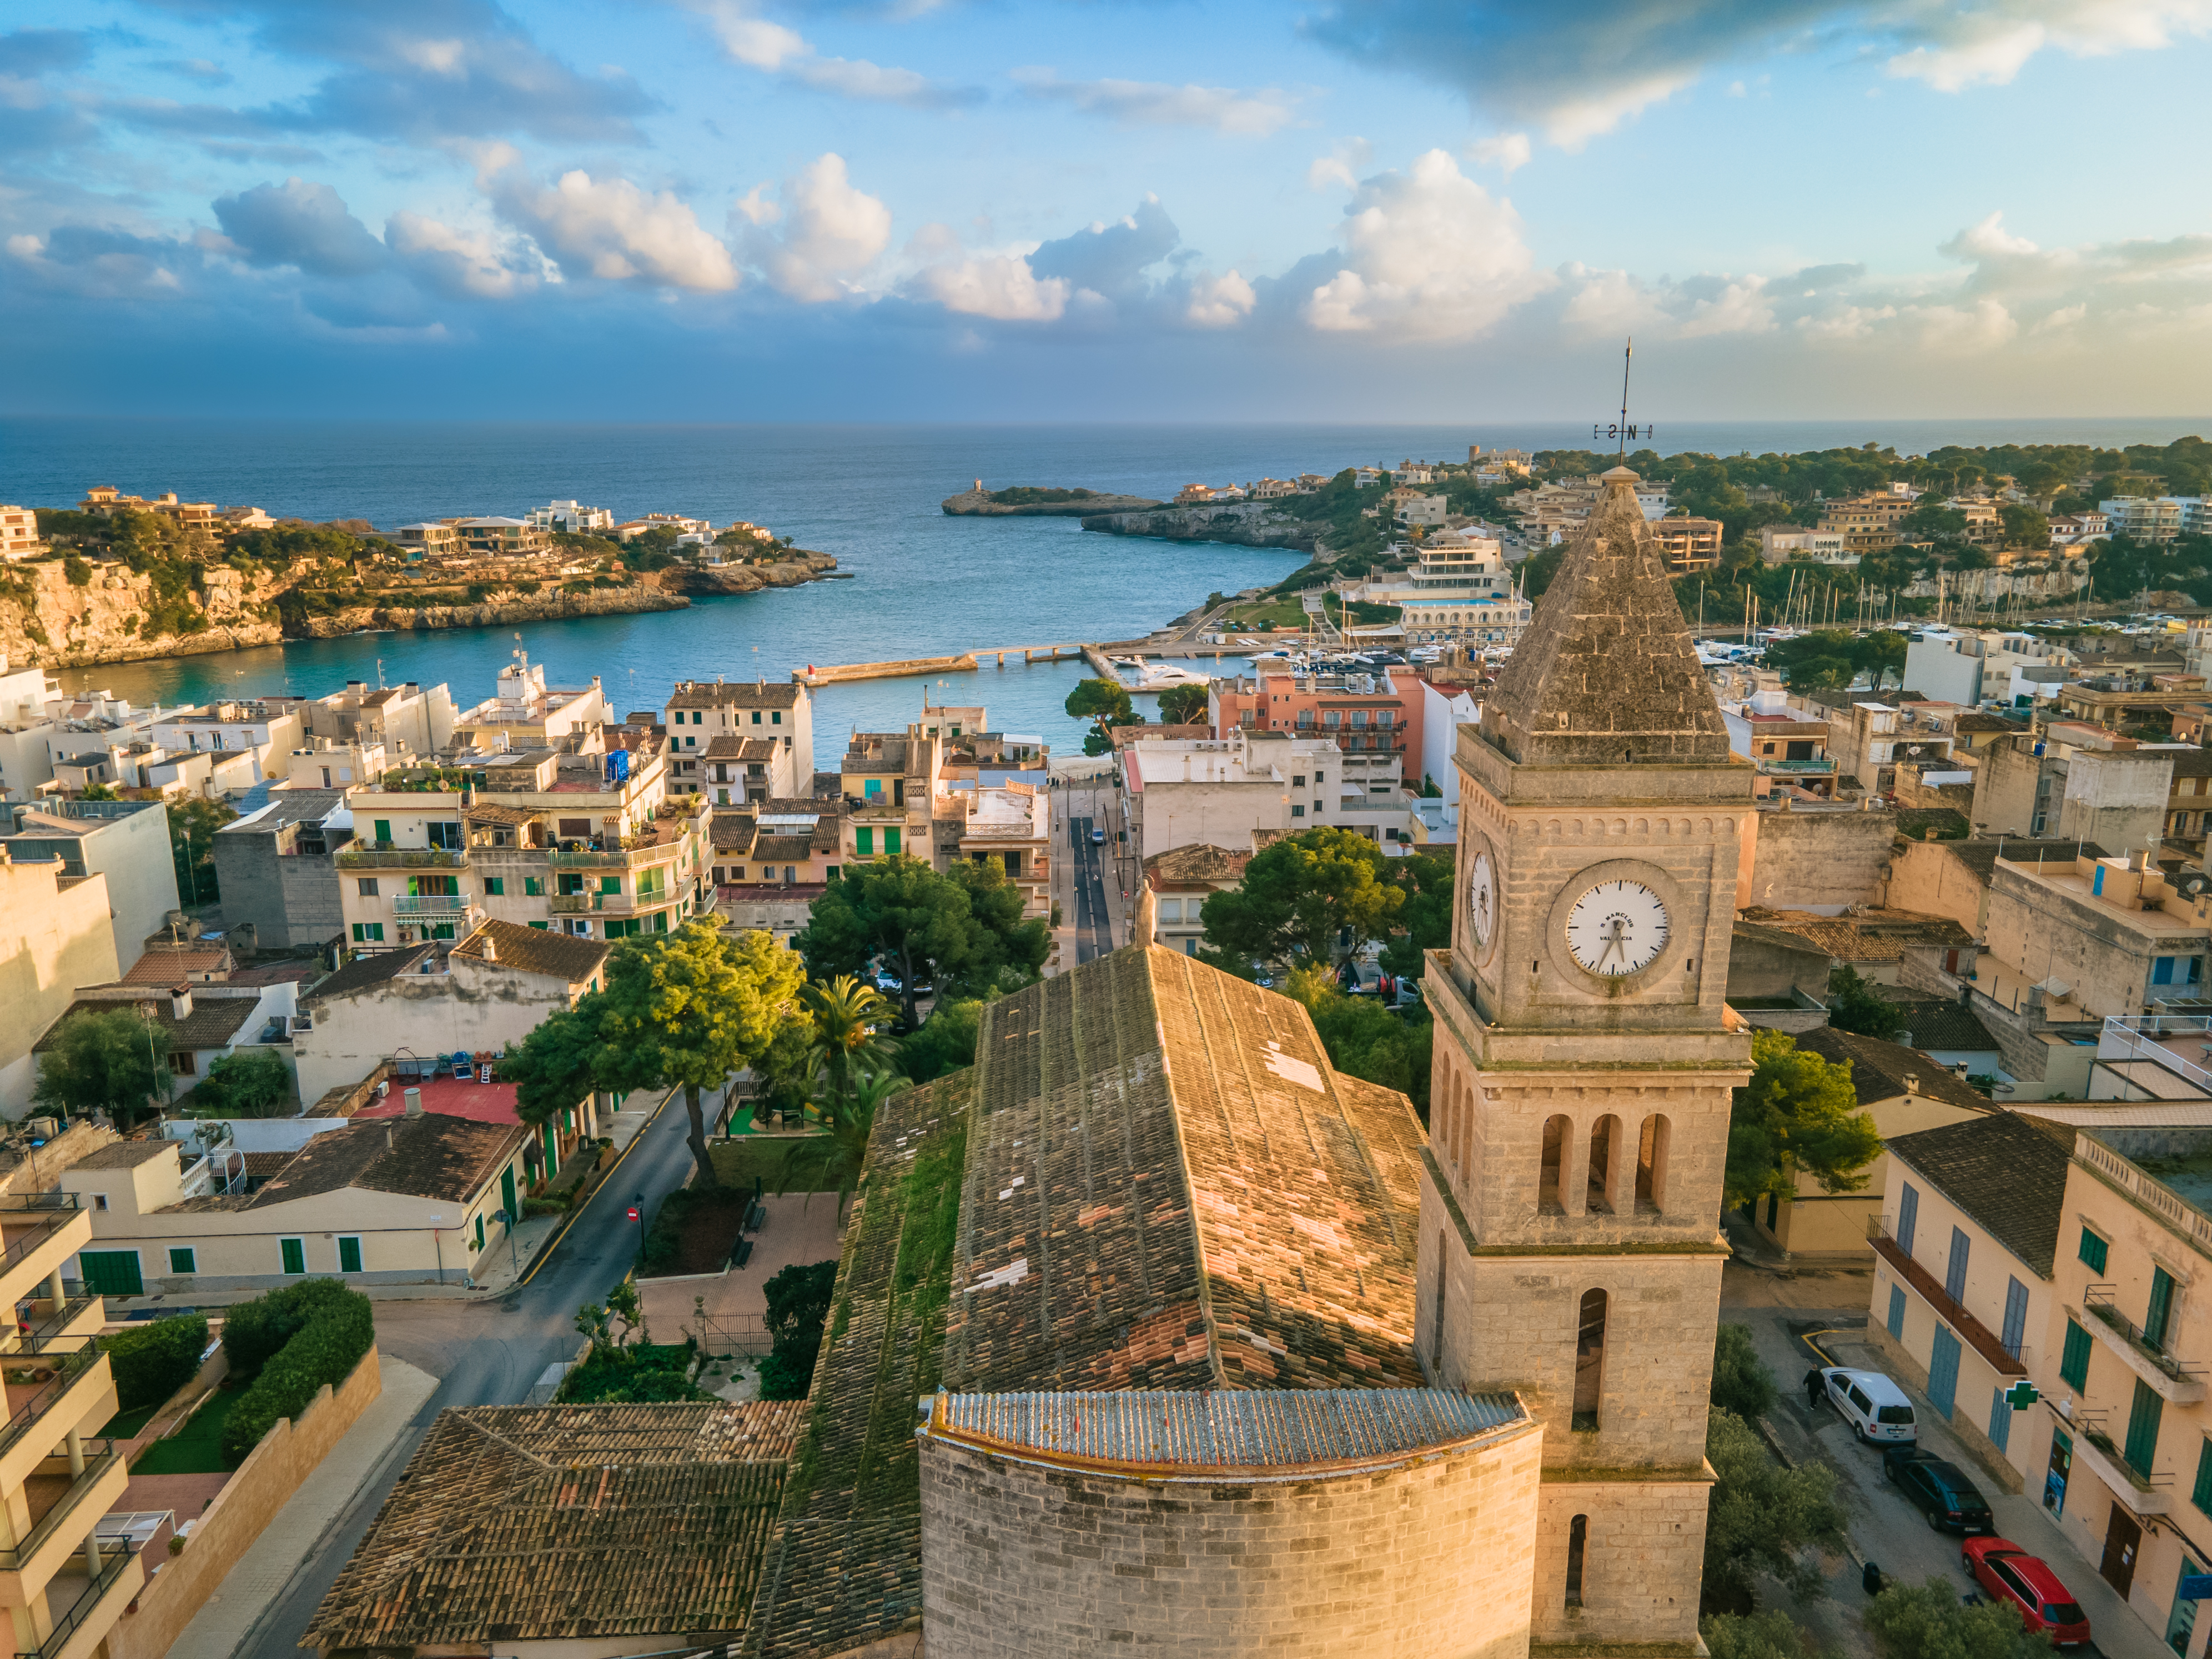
(1742, 1382)
(798, 1305)
(334, 1327)
(152, 1361)
(248, 1083)
(648, 1373)
(256, 1330)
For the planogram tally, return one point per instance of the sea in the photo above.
(923, 584)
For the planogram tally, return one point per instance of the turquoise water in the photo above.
(924, 585)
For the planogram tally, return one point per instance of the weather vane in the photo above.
(1620, 431)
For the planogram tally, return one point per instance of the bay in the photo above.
(924, 584)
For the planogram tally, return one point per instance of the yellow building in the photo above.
(54, 936)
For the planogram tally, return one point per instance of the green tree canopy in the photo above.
(1929, 1621)
(554, 1067)
(192, 823)
(1799, 1115)
(964, 929)
(252, 1082)
(2024, 526)
(1184, 705)
(1105, 704)
(1770, 1633)
(946, 1040)
(1855, 1007)
(1365, 1040)
(1763, 1518)
(112, 1062)
(849, 1014)
(1310, 898)
(1742, 1382)
(1424, 922)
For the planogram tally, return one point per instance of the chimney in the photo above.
(1911, 1080)
(490, 946)
(180, 1002)
(387, 1137)
(414, 1103)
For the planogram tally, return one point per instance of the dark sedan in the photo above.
(1951, 1502)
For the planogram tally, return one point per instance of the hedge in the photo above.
(152, 1361)
(330, 1329)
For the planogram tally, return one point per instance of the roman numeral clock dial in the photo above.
(1617, 928)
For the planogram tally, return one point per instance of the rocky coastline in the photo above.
(713, 581)
(978, 504)
(1246, 523)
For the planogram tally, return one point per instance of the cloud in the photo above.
(98, 263)
(999, 286)
(299, 223)
(832, 231)
(29, 52)
(460, 264)
(1341, 166)
(1508, 152)
(614, 230)
(202, 69)
(1159, 104)
(1219, 301)
(754, 42)
(1110, 259)
(1425, 255)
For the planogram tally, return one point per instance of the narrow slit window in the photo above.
(1548, 1196)
(1651, 1164)
(1589, 1362)
(1578, 1543)
(1599, 1198)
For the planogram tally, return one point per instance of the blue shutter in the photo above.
(2015, 1318)
(1954, 1275)
(2000, 1417)
(1908, 1217)
(1896, 1312)
(1943, 1371)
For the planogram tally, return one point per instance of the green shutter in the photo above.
(864, 843)
(383, 828)
(2161, 1308)
(349, 1256)
(480, 1232)
(892, 842)
(496, 886)
(2142, 1428)
(182, 1260)
(2201, 1496)
(2073, 1363)
(111, 1272)
(611, 883)
(2093, 1250)
(294, 1253)
(533, 887)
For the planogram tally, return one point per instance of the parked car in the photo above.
(1875, 1406)
(1098, 837)
(2006, 1572)
(1941, 1489)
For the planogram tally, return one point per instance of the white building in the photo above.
(19, 533)
(126, 841)
(2145, 518)
(269, 731)
(1781, 542)
(1182, 791)
(573, 517)
(1460, 590)
(1985, 666)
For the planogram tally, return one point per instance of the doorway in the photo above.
(2123, 1538)
(2054, 1477)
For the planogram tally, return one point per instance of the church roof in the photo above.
(1169, 1187)
(1605, 670)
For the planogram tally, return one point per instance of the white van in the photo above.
(1875, 1406)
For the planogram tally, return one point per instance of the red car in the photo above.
(2007, 1573)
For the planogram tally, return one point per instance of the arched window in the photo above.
(1651, 1164)
(1437, 1332)
(1548, 1195)
(1589, 1360)
(1578, 1542)
(1466, 1123)
(1605, 1138)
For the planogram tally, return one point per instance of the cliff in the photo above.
(499, 612)
(972, 504)
(1248, 523)
(715, 581)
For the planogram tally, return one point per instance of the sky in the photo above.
(1105, 210)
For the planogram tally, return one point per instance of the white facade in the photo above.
(1442, 713)
(571, 516)
(1183, 792)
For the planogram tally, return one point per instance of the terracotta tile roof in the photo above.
(1879, 1069)
(433, 1156)
(1974, 720)
(1873, 935)
(734, 694)
(126, 1154)
(2007, 1174)
(733, 832)
(484, 812)
(777, 849)
(537, 951)
(214, 1022)
(164, 964)
(364, 971)
(1141, 1111)
(1197, 862)
(1938, 1023)
(567, 1522)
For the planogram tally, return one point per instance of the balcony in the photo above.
(1969, 1330)
(2173, 1379)
(589, 859)
(613, 904)
(41, 1231)
(874, 812)
(431, 904)
(94, 1601)
(1796, 766)
(64, 1506)
(402, 858)
(79, 1378)
(2138, 1491)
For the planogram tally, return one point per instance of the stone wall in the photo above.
(1642, 1559)
(248, 1502)
(1431, 1557)
(1929, 877)
(1818, 861)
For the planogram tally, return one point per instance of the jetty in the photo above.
(969, 662)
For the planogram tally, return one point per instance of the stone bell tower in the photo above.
(1584, 1058)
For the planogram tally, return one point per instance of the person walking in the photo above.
(1816, 1387)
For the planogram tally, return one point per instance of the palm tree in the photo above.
(831, 1162)
(847, 1015)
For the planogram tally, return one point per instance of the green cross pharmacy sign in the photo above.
(2021, 1396)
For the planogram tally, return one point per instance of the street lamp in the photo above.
(437, 1244)
(507, 1220)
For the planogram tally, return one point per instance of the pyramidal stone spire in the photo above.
(1606, 674)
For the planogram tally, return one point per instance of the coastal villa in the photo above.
(19, 533)
(1459, 590)
(429, 540)
(570, 516)
(511, 538)
(108, 502)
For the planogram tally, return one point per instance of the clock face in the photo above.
(1617, 928)
(1481, 900)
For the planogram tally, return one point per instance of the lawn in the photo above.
(124, 1424)
(738, 1163)
(197, 1449)
(1283, 613)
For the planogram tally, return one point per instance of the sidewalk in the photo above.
(296, 1530)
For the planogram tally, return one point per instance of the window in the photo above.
(1298, 811)
(366, 933)
(349, 1256)
(1589, 1362)
(479, 1243)
(864, 841)
(447, 835)
(495, 886)
(293, 1252)
(2200, 1494)
(533, 886)
(1651, 1164)
(1577, 1545)
(367, 886)
(890, 840)
(2000, 1419)
(2015, 1316)
(1298, 779)
(541, 926)
(382, 827)
(1908, 1217)
(2142, 1428)
(610, 884)
(2161, 970)
(775, 718)
(1604, 1138)
(1547, 1174)
(183, 1260)
(1897, 1311)
(1954, 1275)
(756, 714)
(2160, 1317)
(2074, 1361)
(2093, 1251)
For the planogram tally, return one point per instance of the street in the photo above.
(1087, 881)
(490, 1352)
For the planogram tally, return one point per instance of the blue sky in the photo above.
(1128, 210)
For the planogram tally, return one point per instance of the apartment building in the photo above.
(54, 931)
(108, 501)
(1868, 739)
(126, 841)
(1006, 824)
(42, 728)
(1985, 666)
(775, 716)
(526, 713)
(1787, 747)
(2092, 936)
(578, 843)
(889, 783)
(1688, 544)
(1220, 793)
(2125, 695)
(2144, 518)
(427, 540)
(501, 538)
(277, 867)
(2068, 779)
(1867, 523)
(571, 516)
(19, 533)
(268, 729)
(1181, 879)
(406, 721)
(1459, 590)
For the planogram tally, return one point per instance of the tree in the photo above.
(1929, 1621)
(1762, 1518)
(1932, 521)
(1310, 898)
(1425, 918)
(1742, 1382)
(552, 1067)
(832, 1160)
(848, 1014)
(1858, 1008)
(945, 1043)
(114, 1061)
(1184, 705)
(686, 1012)
(1768, 1634)
(920, 924)
(2024, 526)
(1012, 948)
(246, 1082)
(1365, 1040)
(1798, 1115)
(797, 1308)
(192, 823)
(1105, 704)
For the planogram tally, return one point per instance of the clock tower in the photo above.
(1584, 1061)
